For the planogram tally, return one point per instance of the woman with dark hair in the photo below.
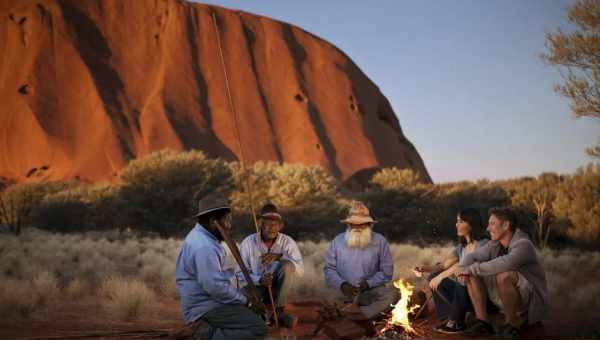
(442, 281)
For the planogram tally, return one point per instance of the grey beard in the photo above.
(358, 238)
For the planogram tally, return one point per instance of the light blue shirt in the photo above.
(459, 250)
(373, 263)
(252, 248)
(204, 281)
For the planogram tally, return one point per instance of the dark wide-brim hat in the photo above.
(212, 202)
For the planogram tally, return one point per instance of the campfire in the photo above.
(397, 325)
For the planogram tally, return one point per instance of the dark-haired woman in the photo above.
(450, 297)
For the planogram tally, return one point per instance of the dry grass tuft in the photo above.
(77, 289)
(127, 299)
(33, 266)
(16, 299)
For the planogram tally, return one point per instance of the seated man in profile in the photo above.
(359, 265)
(507, 271)
(207, 289)
(273, 260)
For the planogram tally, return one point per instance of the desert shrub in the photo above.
(578, 205)
(77, 289)
(18, 201)
(16, 298)
(160, 192)
(427, 213)
(289, 186)
(86, 207)
(307, 196)
(127, 299)
(45, 287)
(396, 179)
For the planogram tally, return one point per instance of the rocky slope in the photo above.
(87, 85)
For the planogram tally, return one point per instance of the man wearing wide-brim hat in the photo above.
(208, 290)
(359, 266)
(274, 260)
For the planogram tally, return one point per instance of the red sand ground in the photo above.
(85, 316)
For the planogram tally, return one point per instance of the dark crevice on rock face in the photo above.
(25, 89)
(250, 42)
(299, 54)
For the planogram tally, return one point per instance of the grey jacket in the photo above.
(522, 257)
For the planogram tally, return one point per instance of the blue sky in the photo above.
(463, 77)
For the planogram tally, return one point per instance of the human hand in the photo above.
(266, 280)
(364, 285)
(418, 271)
(268, 258)
(349, 290)
(257, 306)
(435, 282)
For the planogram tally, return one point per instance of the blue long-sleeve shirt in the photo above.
(252, 248)
(373, 263)
(203, 280)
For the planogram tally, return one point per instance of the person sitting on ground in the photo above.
(208, 291)
(273, 259)
(451, 298)
(359, 265)
(508, 271)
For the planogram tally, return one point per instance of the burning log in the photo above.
(401, 311)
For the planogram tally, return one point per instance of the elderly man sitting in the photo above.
(359, 265)
(507, 271)
(274, 261)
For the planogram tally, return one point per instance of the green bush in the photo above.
(160, 192)
(306, 195)
(86, 207)
(396, 179)
(17, 202)
(288, 186)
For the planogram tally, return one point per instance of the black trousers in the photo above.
(460, 302)
(457, 295)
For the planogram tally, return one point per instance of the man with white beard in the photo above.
(359, 265)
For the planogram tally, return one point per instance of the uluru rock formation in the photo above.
(88, 85)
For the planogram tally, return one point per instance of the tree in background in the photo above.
(578, 53)
(578, 203)
(161, 191)
(536, 196)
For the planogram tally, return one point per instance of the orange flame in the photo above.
(401, 310)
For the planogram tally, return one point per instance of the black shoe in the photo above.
(480, 328)
(508, 331)
(450, 327)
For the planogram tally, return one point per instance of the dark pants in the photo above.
(232, 322)
(283, 278)
(458, 296)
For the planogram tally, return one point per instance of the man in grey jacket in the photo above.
(507, 271)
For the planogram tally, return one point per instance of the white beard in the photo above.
(358, 238)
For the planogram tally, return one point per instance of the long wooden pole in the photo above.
(242, 158)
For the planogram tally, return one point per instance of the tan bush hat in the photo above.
(358, 214)
(212, 202)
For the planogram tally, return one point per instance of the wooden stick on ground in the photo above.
(273, 305)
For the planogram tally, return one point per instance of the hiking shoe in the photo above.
(508, 331)
(287, 319)
(450, 327)
(480, 328)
